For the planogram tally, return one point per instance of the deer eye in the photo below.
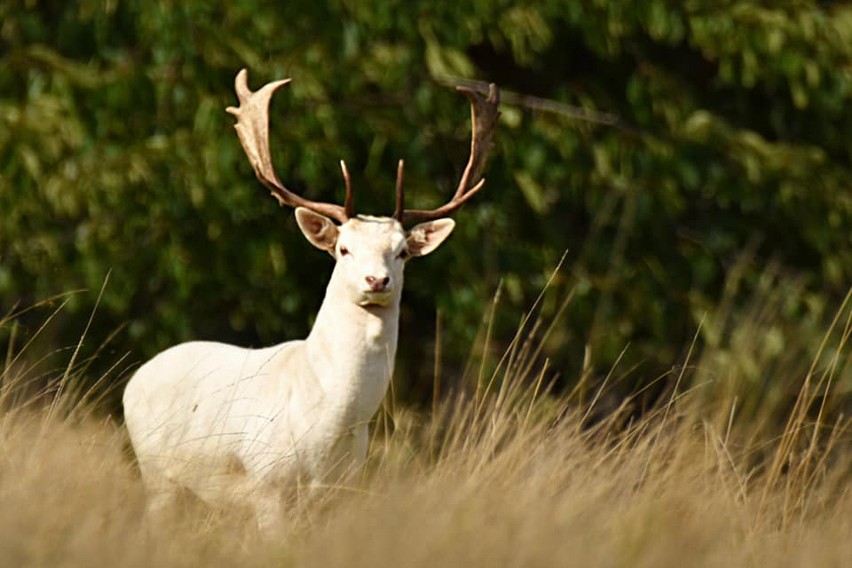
(344, 251)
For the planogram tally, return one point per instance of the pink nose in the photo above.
(377, 284)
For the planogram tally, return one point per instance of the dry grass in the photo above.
(506, 475)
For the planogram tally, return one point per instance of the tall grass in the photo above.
(744, 461)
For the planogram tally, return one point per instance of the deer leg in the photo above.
(268, 509)
(360, 442)
(160, 491)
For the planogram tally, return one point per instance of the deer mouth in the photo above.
(375, 298)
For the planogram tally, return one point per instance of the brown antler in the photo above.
(483, 118)
(253, 130)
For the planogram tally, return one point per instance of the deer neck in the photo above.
(351, 351)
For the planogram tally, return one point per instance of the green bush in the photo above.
(668, 141)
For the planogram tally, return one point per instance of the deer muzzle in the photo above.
(377, 283)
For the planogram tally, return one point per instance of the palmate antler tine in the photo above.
(484, 114)
(253, 131)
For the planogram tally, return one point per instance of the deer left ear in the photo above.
(426, 237)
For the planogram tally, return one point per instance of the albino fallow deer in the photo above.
(235, 425)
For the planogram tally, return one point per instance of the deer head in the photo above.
(370, 251)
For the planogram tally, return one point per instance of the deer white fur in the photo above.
(237, 425)
(234, 425)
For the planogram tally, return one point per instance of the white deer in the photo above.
(235, 425)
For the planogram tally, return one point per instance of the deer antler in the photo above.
(483, 117)
(253, 130)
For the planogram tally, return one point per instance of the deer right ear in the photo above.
(318, 229)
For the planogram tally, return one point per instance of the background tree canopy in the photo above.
(671, 148)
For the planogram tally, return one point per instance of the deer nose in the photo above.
(377, 284)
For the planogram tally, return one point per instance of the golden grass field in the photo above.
(503, 473)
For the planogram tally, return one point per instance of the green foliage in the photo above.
(726, 129)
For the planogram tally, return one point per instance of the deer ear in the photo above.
(426, 237)
(318, 229)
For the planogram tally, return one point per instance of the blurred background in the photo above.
(692, 161)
